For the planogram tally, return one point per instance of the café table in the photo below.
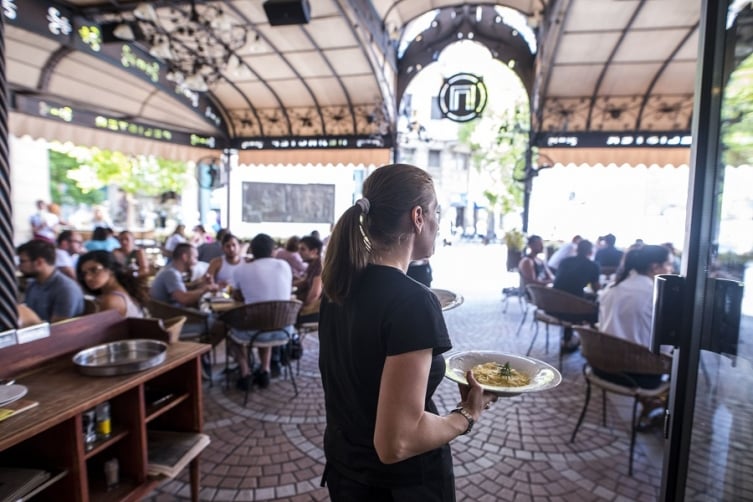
(447, 299)
(218, 305)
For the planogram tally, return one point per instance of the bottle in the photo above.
(90, 432)
(104, 426)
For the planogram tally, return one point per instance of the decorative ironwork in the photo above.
(199, 44)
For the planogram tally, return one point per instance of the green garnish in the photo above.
(506, 370)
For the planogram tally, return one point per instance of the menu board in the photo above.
(288, 202)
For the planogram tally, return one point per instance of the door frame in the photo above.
(697, 252)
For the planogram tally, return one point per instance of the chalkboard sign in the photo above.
(288, 202)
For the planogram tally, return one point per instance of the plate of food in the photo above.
(502, 373)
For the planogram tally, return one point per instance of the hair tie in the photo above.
(364, 204)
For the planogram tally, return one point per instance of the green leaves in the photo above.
(80, 175)
(505, 370)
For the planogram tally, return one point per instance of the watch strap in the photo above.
(466, 414)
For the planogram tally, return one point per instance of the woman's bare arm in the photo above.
(403, 428)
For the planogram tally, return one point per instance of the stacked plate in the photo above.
(10, 393)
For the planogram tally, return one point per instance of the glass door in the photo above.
(709, 426)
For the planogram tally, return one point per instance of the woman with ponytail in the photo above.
(381, 337)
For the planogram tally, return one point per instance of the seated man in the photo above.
(577, 272)
(261, 280)
(169, 285)
(565, 251)
(532, 269)
(52, 295)
(66, 255)
(222, 268)
(574, 274)
(608, 256)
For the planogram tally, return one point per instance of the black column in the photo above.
(8, 315)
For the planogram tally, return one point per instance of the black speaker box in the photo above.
(282, 12)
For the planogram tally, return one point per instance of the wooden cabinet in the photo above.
(51, 435)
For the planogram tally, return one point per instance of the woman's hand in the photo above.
(473, 398)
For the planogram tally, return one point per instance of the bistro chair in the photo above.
(260, 318)
(614, 355)
(196, 326)
(514, 292)
(558, 308)
(90, 306)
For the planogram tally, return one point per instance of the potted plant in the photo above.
(515, 242)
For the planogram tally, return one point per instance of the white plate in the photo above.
(542, 375)
(10, 393)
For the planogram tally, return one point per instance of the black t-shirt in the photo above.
(387, 313)
(574, 273)
(608, 257)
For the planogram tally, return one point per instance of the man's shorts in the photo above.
(269, 338)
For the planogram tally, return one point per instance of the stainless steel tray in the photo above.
(121, 357)
(447, 299)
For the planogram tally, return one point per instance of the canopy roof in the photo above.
(597, 66)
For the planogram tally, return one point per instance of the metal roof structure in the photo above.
(601, 66)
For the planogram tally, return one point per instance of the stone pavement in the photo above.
(520, 449)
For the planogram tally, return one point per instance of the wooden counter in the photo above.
(50, 436)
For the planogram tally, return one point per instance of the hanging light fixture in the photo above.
(198, 44)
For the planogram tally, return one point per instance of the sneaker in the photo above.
(275, 370)
(261, 379)
(244, 383)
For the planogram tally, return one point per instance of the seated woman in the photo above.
(131, 256)
(113, 286)
(102, 240)
(291, 255)
(309, 287)
(626, 308)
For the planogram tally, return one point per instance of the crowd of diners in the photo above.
(62, 277)
(620, 282)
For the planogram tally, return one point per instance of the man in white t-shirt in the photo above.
(565, 251)
(261, 280)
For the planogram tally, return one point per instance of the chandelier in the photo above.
(198, 44)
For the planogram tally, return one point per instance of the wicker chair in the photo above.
(610, 354)
(196, 326)
(560, 308)
(263, 317)
(90, 306)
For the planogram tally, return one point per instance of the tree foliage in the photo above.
(737, 116)
(65, 190)
(498, 142)
(79, 174)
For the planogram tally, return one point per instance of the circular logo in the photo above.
(462, 97)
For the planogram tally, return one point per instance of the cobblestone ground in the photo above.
(520, 450)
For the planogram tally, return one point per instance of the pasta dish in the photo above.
(499, 375)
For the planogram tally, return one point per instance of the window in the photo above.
(436, 112)
(463, 161)
(407, 155)
(435, 158)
